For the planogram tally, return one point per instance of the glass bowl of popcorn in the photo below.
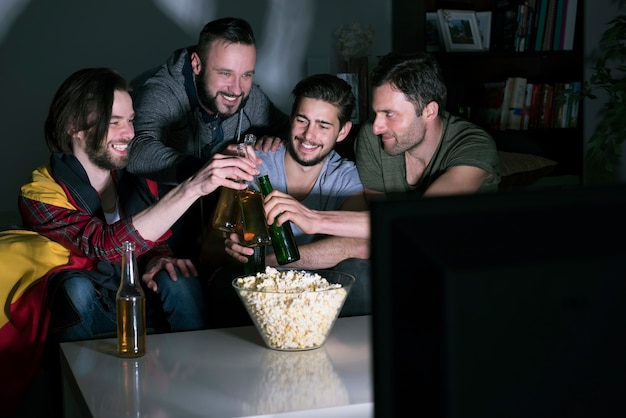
(292, 309)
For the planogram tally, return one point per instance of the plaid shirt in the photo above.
(69, 213)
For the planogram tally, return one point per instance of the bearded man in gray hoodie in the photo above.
(201, 100)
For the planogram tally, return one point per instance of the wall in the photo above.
(43, 41)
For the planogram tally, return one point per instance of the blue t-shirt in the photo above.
(338, 180)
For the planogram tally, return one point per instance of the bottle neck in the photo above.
(129, 264)
(265, 185)
(242, 151)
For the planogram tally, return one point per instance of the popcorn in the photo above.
(293, 310)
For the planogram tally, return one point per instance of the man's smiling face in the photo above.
(224, 77)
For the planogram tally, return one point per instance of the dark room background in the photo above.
(43, 41)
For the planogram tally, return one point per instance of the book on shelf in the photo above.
(527, 103)
(548, 33)
(521, 35)
(566, 104)
(558, 25)
(559, 105)
(545, 120)
(516, 105)
(531, 25)
(574, 104)
(542, 11)
(534, 113)
(566, 113)
(559, 46)
(569, 100)
(553, 105)
(569, 25)
(506, 104)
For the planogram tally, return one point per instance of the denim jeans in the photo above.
(175, 306)
(359, 300)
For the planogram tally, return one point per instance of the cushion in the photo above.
(521, 170)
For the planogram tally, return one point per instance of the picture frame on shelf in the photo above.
(484, 26)
(460, 30)
(434, 41)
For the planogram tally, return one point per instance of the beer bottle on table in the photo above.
(130, 305)
(283, 241)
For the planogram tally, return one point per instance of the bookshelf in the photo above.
(466, 74)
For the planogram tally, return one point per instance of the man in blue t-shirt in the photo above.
(317, 190)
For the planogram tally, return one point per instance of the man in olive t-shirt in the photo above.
(413, 144)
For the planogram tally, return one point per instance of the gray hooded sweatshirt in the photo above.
(174, 136)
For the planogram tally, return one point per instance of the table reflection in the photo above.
(294, 381)
(131, 381)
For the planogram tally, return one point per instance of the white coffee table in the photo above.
(222, 373)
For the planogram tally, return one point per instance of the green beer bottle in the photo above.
(283, 241)
(256, 262)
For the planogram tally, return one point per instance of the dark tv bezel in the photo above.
(537, 225)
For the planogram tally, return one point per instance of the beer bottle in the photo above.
(254, 226)
(130, 304)
(256, 262)
(226, 213)
(227, 209)
(283, 241)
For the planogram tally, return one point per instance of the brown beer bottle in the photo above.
(254, 226)
(226, 214)
(130, 304)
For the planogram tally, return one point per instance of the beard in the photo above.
(208, 100)
(411, 138)
(395, 149)
(101, 157)
(291, 149)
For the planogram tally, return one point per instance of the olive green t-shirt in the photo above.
(462, 143)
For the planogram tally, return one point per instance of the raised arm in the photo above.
(326, 252)
(160, 110)
(353, 220)
(221, 170)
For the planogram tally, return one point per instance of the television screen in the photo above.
(500, 305)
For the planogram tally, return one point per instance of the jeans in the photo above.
(175, 306)
(359, 300)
